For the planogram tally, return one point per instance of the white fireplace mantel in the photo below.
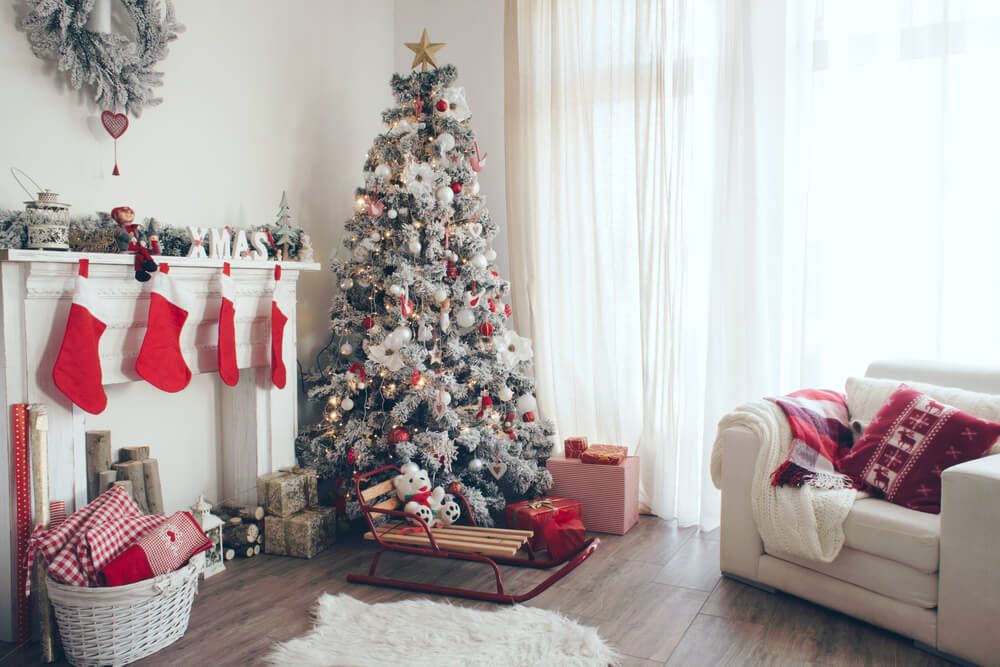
(36, 289)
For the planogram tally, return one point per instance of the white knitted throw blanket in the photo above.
(805, 521)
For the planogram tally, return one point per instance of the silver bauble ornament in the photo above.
(479, 261)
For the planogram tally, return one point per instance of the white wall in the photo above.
(257, 99)
(473, 35)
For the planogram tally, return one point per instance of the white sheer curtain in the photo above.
(638, 265)
(890, 162)
(715, 200)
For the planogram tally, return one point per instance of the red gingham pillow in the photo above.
(908, 444)
(164, 548)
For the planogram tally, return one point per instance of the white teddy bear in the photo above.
(413, 486)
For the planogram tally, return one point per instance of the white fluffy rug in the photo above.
(436, 634)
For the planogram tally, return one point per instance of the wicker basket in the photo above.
(117, 626)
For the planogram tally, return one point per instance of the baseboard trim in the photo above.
(749, 582)
(940, 654)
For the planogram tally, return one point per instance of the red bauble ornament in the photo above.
(528, 416)
(452, 271)
(368, 323)
(486, 329)
(456, 187)
(415, 377)
(398, 434)
(441, 106)
(455, 488)
(507, 310)
(351, 456)
(510, 417)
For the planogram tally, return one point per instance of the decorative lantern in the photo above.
(215, 558)
(46, 218)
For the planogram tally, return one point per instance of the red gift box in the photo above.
(534, 514)
(564, 534)
(609, 455)
(574, 446)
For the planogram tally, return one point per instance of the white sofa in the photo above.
(934, 578)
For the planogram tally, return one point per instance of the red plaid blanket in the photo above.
(91, 537)
(821, 434)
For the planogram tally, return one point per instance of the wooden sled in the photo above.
(490, 546)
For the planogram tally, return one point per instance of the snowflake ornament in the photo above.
(458, 108)
(443, 450)
(513, 349)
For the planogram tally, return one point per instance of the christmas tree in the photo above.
(428, 368)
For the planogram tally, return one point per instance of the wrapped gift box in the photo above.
(564, 534)
(608, 494)
(303, 534)
(534, 514)
(286, 492)
(574, 446)
(609, 455)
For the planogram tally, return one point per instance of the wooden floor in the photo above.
(655, 594)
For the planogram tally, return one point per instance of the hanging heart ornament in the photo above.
(497, 469)
(115, 124)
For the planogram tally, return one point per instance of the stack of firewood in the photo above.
(243, 534)
(139, 474)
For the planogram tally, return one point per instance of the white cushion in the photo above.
(879, 575)
(907, 536)
(866, 395)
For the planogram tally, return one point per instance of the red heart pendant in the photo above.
(114, 123)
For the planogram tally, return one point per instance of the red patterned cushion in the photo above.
(911, 440)
(164, 548)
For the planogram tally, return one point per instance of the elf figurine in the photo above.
(137, 242)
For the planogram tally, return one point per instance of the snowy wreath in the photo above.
(120, 70)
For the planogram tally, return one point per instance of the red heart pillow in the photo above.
(908, 444)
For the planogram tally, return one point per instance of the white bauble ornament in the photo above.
(446, 398)
(445, 195)
(346, 349)
(445, 142)
(395, 290)
(414, 247)
(440, 294)
(404, 333)
(465, 318)
(392, 214)
(479, 261)
(383, 171)
(346, 404)
(504, 393)
(346, 284)
(527, 403)
(476, 465)
(453, 256)
(491, 254)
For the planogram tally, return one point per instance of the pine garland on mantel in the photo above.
(99, 233)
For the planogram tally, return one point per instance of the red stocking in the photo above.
(278, 320)
(77, 372)
(160, 360)
(228, 370)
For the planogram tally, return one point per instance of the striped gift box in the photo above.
(608, 495)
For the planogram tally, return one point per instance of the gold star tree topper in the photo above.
(423, 52)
